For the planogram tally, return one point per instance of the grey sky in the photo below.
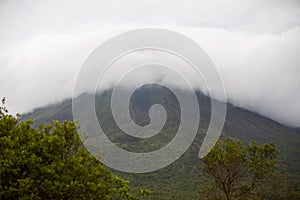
(255, 44)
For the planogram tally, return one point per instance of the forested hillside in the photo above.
(181, 179)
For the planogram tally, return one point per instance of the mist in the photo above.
(255, 46)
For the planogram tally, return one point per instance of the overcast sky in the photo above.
(255, 44)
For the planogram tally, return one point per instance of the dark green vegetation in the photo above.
(238, 171)
(51, 163)
(181, 179)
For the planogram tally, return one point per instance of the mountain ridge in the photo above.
(167, 183)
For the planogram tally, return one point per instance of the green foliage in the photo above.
(239, 171)
(278, 186)
(51, 163)
(181, 179)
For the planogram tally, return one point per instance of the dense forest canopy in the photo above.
(50, 162)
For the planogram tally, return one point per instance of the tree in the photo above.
(279, 186)
(51, 163)
(236, 170)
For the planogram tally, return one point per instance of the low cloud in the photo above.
(258, 60)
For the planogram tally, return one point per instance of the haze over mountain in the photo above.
(180, 179)
(254, 44)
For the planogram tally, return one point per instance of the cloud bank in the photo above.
(254, 44)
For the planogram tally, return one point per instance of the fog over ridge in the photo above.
(254, 45)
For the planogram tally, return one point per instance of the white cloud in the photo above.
(254, 44)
